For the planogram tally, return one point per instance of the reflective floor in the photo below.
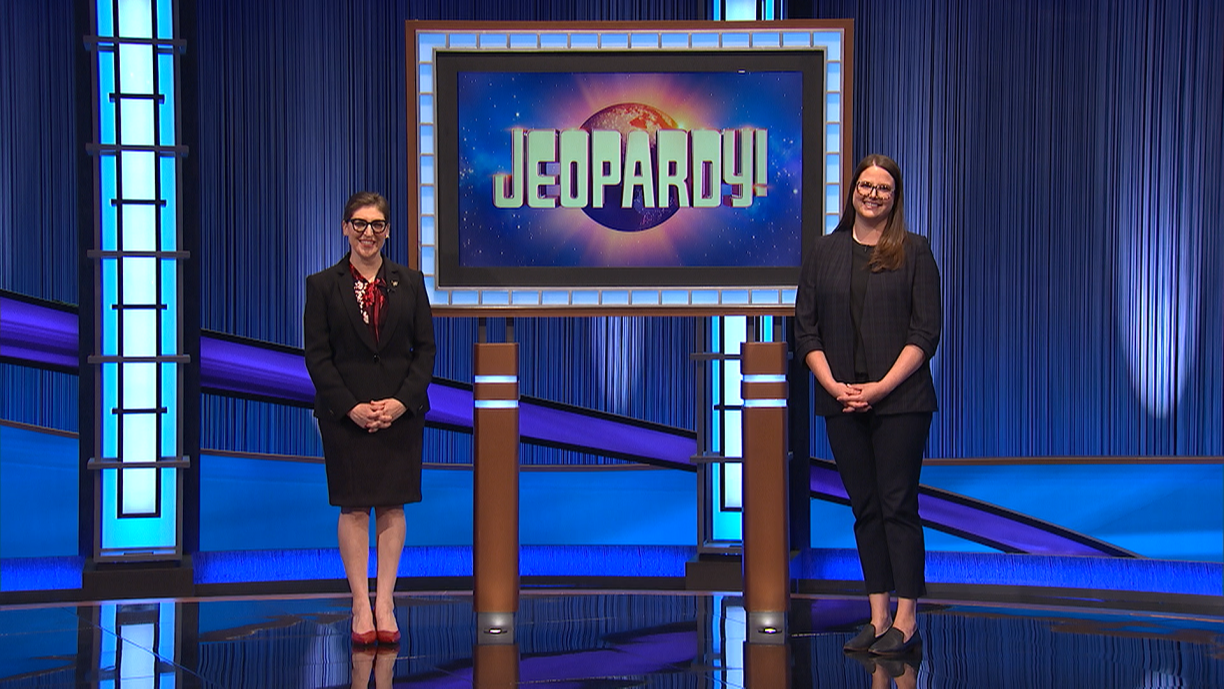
(593, 641)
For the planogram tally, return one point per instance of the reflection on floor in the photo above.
(593, 641)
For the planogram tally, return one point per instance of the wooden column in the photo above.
(766, 665)
(766, 541)
(495, 545)
(495, 666)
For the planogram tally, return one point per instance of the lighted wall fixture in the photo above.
(136, 350)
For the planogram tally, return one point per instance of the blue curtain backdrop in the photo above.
(39, 150)
(1063, 157)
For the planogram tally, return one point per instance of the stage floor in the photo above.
(593, 640)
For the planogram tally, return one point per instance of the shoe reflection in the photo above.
(885, 672)
(377, 662)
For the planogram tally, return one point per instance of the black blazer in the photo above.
(900, 307)
(345, 364)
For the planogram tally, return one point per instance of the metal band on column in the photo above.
(766, 542)
(495, 548)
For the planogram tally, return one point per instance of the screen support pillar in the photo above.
(495, 438)
(495, 666)
(766, 664)
(765, 528)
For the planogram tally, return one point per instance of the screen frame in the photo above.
(693, 295)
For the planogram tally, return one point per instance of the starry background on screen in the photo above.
(768, 233)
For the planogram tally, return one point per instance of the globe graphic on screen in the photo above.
(624, 118)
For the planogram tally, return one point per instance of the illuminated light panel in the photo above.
(764, 378)
(136, 664)
(496, 404)
(494, 379)
(758, 403)
(141, 533)
(143, 635)
(137, 300)
(139, 231)
(726, 421)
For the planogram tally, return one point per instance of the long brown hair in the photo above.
(889, 252)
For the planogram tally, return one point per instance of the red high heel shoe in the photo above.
(384, 637)
(364, 638)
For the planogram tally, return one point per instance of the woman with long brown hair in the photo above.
(867, 322)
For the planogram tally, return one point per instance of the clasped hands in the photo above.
(858, 397)
(378, 414)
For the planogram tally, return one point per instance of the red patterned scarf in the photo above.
(372, 298)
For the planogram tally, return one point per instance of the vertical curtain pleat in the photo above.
(39, 149)
(39, 152)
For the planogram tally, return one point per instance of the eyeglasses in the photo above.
(377, 226)
(867, 188)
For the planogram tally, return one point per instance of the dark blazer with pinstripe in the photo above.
(900, 307)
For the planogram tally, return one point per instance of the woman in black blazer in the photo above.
(867, 322)
(369, 338)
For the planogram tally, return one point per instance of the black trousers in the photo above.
(879, 458)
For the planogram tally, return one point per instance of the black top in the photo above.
(860, 267)
(900, 307)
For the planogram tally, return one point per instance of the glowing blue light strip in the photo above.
(139, 509)
(739, 10)
(496, 404)
(756, 404)
(764, 378)
(726, 524)
(733, 629)
(726, 491)
(166, 642)
(495, 379)
(137, 667)
(108, 643)
(733, 493)
(140, 533)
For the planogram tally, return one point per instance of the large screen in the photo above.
(627, 169)
(604, 168)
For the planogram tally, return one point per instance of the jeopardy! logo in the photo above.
(630, 168)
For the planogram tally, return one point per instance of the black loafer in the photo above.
(866, 637)
(894, 643)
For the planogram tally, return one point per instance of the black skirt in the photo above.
(373, 469)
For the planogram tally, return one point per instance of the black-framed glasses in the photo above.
(867, 189)
(377, 226)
